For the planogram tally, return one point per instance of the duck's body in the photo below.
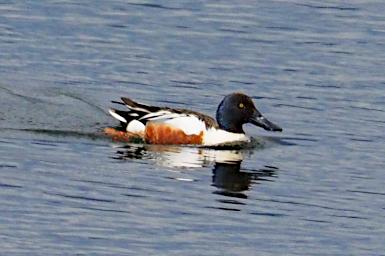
(157, 125)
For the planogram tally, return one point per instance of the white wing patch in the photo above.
(167, 117)
(137, 109)
(189, 124)
(160, 114)
(115, 115)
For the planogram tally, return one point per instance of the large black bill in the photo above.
(265, 124)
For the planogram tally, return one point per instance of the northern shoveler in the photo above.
(163, 125)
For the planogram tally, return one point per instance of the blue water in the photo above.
(315, 68)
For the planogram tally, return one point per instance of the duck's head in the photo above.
(237, 109)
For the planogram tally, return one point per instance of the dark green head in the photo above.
(237, 109)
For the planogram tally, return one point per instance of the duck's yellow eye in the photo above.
(241, 105)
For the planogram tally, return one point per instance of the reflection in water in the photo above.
(232, 181)
(227, 174)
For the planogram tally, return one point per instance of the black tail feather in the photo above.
(138, 107)
(118, 102)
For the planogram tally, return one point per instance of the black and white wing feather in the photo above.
(139, 114)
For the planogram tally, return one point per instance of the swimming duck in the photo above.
(163, 125)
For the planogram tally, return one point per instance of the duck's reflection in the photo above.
(228, 176)
(232, 181)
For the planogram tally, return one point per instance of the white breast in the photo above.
(215, 136)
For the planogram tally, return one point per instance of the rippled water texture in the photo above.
(316, 68)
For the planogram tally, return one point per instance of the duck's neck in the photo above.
(229, 125)
(226, 121)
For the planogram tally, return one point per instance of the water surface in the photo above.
(316, 69)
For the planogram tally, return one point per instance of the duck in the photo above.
(164, 125)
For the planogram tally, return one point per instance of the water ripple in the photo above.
(85, 198)
(314, 67)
